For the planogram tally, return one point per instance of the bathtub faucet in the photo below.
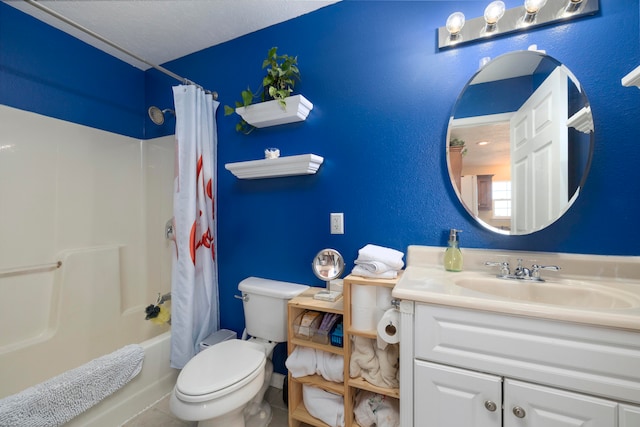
(163, 298)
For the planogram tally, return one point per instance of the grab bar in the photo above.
(30, 268)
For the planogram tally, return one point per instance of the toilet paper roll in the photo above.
(389, 327)
(363, 318)
(363, 296)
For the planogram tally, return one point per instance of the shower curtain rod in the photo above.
(115, 46)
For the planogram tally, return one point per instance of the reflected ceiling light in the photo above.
(573, 6)
(454, 25)
(482, 143)
(531, 8)
(492, 15)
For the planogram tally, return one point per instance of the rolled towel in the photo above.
(325, 406)
(330, 366)
(388, 256)
(301, 362)
(359, 270)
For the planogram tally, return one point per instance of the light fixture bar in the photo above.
(554, 11)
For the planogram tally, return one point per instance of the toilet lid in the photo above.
(219, 367)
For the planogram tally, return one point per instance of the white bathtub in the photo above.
(83, 320)
(153, 383)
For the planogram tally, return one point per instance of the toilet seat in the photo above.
(219, 370)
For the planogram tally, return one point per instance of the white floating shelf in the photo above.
(582, 121)
(304, 164)
(271, 113)
(632, 79)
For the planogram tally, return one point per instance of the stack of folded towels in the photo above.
(378, 262)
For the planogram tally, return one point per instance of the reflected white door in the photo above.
(469, 192)
(539, 155)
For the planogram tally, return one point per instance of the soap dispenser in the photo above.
(453, 256)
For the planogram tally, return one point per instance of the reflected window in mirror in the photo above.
(515, 117)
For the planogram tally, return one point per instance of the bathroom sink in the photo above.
(572, 294)
(588, 289)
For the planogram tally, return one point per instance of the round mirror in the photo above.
(520, 142)
(328, 264)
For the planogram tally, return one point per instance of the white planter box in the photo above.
(304, 164)
(271, 113)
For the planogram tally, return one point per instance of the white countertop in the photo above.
(425, 280)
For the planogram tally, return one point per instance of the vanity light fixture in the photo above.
(454, 25)
(531, 8)
(531, 14)
(492, 15)
(573, 6)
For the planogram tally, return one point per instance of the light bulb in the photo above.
(573, 6)
(533, 6)
(494, 12)
(455, 22)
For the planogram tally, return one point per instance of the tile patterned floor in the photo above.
(159, 414)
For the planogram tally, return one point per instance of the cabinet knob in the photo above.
(491, 406)
(519, 412)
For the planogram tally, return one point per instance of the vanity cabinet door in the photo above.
(629, 416)
(533, 405)
(451, 397)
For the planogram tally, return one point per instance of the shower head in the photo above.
(157, 115)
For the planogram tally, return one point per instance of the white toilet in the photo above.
(218, 384)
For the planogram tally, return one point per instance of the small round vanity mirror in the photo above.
(520, 142)
(328, 264)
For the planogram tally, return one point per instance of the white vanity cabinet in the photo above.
(475, 368)
(453, 397)
(629, 416)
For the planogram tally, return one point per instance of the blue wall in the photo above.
(48, 72)
(383, 94)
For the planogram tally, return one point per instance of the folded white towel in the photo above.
(359, 270)
(391, 257)
(374, 266)
(58, 400)
(325, 406)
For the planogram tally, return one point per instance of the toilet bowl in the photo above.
(218, 382)
(224, 385)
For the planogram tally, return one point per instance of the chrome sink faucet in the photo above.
(520, 272)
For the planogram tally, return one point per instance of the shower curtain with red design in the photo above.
(194, 287)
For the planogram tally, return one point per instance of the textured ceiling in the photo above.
(162, 30)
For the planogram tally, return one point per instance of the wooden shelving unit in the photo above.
(298, 415)
(356, 384)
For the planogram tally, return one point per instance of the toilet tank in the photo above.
(265, 306)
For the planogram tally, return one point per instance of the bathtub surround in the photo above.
(194, 276)
(106, 228)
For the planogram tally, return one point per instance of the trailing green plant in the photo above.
(455, 142)
(282, 74)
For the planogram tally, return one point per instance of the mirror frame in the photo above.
(585, 116)
(329, 261)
